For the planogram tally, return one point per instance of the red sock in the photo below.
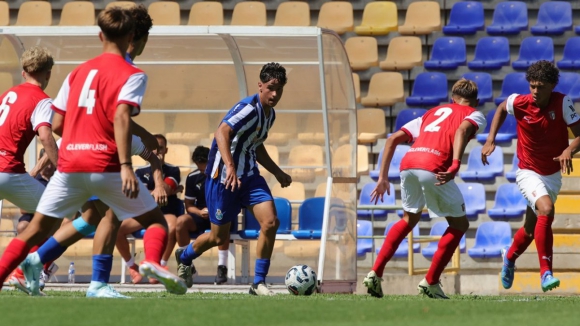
(544, 242)
(14, 254)
(154, 242)
(396, 234)
(520, 244)
(447, 245)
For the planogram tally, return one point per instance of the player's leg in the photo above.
(222, 269)
(522, 240)
(186, 224)
(171, 220)
(127, 227)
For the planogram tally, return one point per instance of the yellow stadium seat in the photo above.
(284, 129)
(422, 18)
(292, 13)
(379, 18)
(249, 13)
(165, 13)
(337, 16)
(356, 82)
(311, 129)
(206, 13)
(305, 156)
(152, 122)
(181, 131)
(385, 89)
(362, 52)
(403, 53)
(34, 13)
(295, 191)
(77, 13)
(4, 14)
(342, 160)
(370, 125)
(122, 4)
(568, 204)
(180, 156)
(5, 81)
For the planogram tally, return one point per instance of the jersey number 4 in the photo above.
(87, 97)
(442, 113)
(10, 98)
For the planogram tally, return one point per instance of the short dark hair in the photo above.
(273, 70)
(543, 71)
(143, 22)
(116, 22)
(160, 136)
(200, 154)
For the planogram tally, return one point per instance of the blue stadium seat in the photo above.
(506, 132)
(310, 215)
(571, 56)
(490, 238)
(477, 172)
(554, 18)
(403, 250)
(363, 246)
(484, 85)
(466, 18)
(429, 89)
(491, 53)
(365, 199)
(511, 174)
(533, 49)
(394, 172)
(438, 229)
(447, 53)
(407, 115)
(283, 210)
(474, 197)
(514, 82)
(509, 202)
(509, 18)
(568, 85)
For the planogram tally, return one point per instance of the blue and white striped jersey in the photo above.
(250, 125)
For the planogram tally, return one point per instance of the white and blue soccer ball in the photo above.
(301, 280)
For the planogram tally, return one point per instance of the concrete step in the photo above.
(529, 283)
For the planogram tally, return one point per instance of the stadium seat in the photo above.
(437, 230)
(365, 199)
(304, 156)
(362, 52)
(474, 197)
(251, 228)
(370, 125)
(6, 81)
(506, 132)
(407, 115)
(249, 13)
(509, 18)
(154, 122)
(294, 192)
(342, 164)
(292, 13)
(385, 89)
(182, 131)
(337, 16)
(533, 49)
(165, 13)
(509, 202)
(568, 84)
(364, 228)
(394, 172)
(484, 85)
(310, 129)
(429, 89)
(511, 174)
(206, 13)
(77, 13)
(447, 53)
(422, 18)
(34, 13)
(403, 249)
(478, 172)
(180, 156)
(356, 83)
(403, 53)
(4, 14)
(379, 18)
(571, 55)
(466, 18)
(490, 239)
(282, 132)
(122, 4)
(311, 214)
(491, 53)
(514, 82)
(554, 18)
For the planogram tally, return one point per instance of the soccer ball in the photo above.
(301, 280)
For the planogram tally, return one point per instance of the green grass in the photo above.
(71, 308)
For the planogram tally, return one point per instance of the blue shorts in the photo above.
(224, 205)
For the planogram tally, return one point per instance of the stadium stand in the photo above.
(77, 13)
(363, 246)
(554, 18)
(403, 53)
(567, 84)
(511, 174)
(534, 49)
(509, 202)
(422, 18)
(474, 197)
(514, 82)
(365, 199)
(206, 13)
(429, 89)
(490, 238)
(407, 115)
(484, 85)
(4, 14)
(385, 89)
(466, 18)
(447, 53)
(251, 227)
(506, 132)
(362, 52)
(394, 167)
(490, 53)
(165, 13)
(403, 249)
(310, 217)
(122, 4)
(437, 230)
(356, 82)
(281, 133)
(34, 13)
(249, 13)
(292, 13)
(370, 125)
(379, 18)
(305, 156)
(571, 54)
(477, 172)
(337, 16)
(509, 18)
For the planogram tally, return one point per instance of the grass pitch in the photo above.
(72, 308)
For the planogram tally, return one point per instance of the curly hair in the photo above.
(273, 70)
(543, 71)
(143, 22)
(36, 59)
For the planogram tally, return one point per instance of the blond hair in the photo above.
(36, 59)
(464, 88)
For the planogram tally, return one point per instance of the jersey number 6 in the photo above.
(10, 98)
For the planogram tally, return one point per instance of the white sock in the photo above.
(131, 262)
(163, 263)
(223, 257)
(183, 248)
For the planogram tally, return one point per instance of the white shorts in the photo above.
(418, 187)
(21, 189)
(67, 192)
(533, 185)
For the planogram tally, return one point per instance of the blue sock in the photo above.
(188, 255)
(261, 270)
(102, 265)
(50, 250)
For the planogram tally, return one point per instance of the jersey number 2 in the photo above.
(87, 97)
(10, 98)
(442, 113)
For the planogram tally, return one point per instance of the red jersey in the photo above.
(88, 100)
(434, 134)
(23, 109)
(542, 133)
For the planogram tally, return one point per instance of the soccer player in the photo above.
(196, 218)
(100, 95)
(233, 180)
(427, 173)
(544, 153)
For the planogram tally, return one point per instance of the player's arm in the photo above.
(146, 137)
(192, 209)
(40, 165)
(266, 161)
(498, 120)
(383, 186)
(463, 134)
(49, 144)
(573, 121)
(159, 192)
(223, 137)
(122, 128)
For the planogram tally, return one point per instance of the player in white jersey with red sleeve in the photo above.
(427, 173)
(543, 118)
(94, 109)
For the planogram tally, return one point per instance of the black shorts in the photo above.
(174, 206)
(26, 218)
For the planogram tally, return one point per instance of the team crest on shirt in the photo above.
(552, 115)
(218, 214)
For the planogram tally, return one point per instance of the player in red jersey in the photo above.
(97, 101)
(544, 153)
(427, 173)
